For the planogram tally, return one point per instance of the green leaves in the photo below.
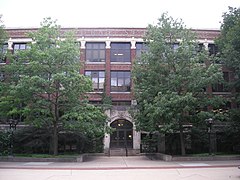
(229, 45)
(170, 80)
(46, 78)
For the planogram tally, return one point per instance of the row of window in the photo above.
(120, 80)
(120, 52)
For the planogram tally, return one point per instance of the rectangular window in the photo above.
(175, 46)
(3, 52)
(120, 81)
(140, 49)
(222, 87)
(20, 46)
(95, 52)
(98, 79)
(1, 76)
(120, 52)
(213, 49)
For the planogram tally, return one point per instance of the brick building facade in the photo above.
(107, 55)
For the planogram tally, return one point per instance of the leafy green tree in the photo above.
(3, 34)
(229, 47)
(44, 85)
(229, 43)
(170, 80)
(3, 38)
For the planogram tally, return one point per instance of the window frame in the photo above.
(221, 87)
(90, 50)
(142, 49)
(20, 49)
(96, 85)
(120, 52)
(122, 81)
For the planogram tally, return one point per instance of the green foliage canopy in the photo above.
(171, 78)
(44, 84)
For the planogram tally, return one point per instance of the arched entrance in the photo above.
(122, 136)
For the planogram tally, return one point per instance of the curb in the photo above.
(120, 168)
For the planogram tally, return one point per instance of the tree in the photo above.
(44, 85)
(229, 43)
(229, 48)
(3, 38)
(3, 34)
(171, 78)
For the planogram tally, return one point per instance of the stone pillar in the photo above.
(10, 49)
(205, 44)
(106, 140)
(136, 140)
(82, 55)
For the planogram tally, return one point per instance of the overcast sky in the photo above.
(113, 13)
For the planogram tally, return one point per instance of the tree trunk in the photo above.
(182, 141)
(55, 129)
(55, 139)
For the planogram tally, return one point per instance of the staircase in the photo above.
(122, 152)
(118, 152)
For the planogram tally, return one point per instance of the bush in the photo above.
(5, 137)
(38, 140)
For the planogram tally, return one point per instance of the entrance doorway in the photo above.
(122, 137)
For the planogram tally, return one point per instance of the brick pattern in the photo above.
(110, 32)
(108, 66)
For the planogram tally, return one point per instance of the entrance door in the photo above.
(122, 136)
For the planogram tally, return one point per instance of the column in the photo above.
(82, 55)
(133, 56)
(10, 48)
(108, 67)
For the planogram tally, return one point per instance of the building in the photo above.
(108, 55)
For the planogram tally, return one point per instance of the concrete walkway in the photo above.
(118, 162)
(120, 168)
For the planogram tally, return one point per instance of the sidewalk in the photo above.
(118, 162)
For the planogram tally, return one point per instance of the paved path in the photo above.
(124, 168)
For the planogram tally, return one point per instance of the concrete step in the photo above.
(118, 152)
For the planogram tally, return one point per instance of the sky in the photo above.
(200, 14)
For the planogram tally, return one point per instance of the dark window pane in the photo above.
(120, 52)
(95, 52)
(213, 49)
(222, 87)
(120, 81)
(98, 79)
(140, 49)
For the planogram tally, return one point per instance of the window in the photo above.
(1, 76)
(175, 46)
(20, 46)
(121, 103)
(98, 79)
(96, 103)
(3, 52)
(120, 81)
(140, 49)
(200, 47)
(95, 52)
(213, 49)
(221, 87)
(120, 52)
